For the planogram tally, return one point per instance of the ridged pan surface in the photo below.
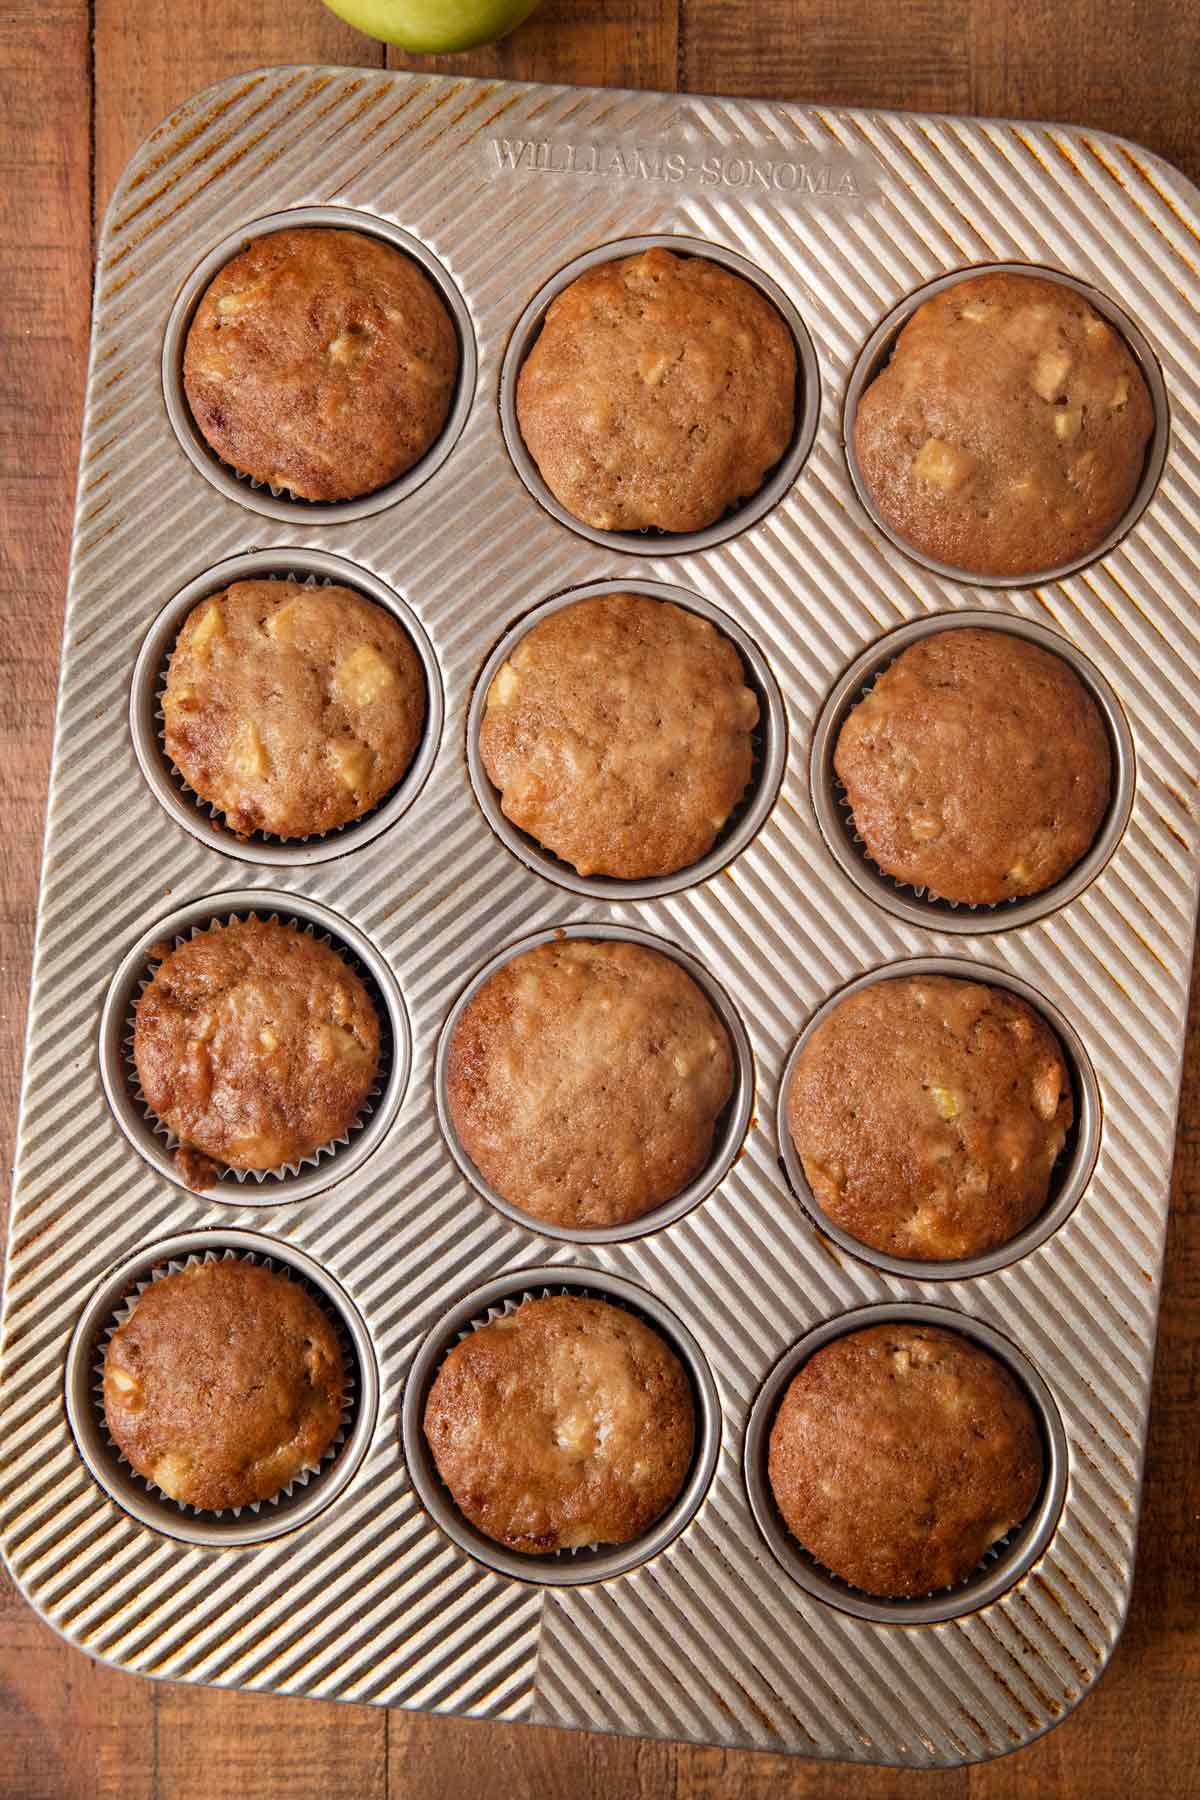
(710, 1639)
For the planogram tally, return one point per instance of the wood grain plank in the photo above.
(475, 1761)
(45, 244)
(831, 52)
(1127, 66)
(71, 1729)
(217, 1745)
(600, 43)
(746, 1775)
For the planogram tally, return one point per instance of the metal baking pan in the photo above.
(367, 1587)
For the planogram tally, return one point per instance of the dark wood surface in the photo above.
(81, 82)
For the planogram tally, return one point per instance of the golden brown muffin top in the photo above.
(585, 1079)
(1007, 434)
(659, 392)
(900, 1454)
(255, 1044)
(977, 766)
(619, 733)
(320, 361)
(223, 1384)
(292, 709)
(929, 1113)
(565, 1423)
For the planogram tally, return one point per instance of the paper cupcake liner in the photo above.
(208, 809)
(991, 1556)
(383, 1069)
(303, 1476)
(511, 1304)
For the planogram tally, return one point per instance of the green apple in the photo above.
(435, 26)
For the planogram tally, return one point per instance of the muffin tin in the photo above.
(715, 1627)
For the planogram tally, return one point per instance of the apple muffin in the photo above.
(977, 767)
(223, 1384)
(620, 735)
(585, 1079)
(320, 361)
(900, 1454)
(1007, 433)
(255, 1044)
(660, 392)
(564, 1423)
(292, 709)
(928, 1114)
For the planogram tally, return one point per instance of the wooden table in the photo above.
(81, 82)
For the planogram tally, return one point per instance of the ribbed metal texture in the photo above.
(710, 1640)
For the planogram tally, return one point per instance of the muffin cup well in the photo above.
(279, 503)
(1072, 1171)
(181, 801)
(877, 351)
(310, 1492)
(747, 817)
(563, 1568)
(778, 480)
(919, 906)
(151, 1138)
(731, 1126)
(1003, 1565)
